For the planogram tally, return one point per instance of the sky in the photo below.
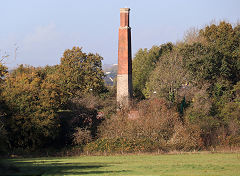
(37, 32)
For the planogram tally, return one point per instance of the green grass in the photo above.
(201, 164)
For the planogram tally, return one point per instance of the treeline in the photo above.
(43, 107)
(187, 97)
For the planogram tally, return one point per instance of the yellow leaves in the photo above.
(35, 95)
(33, 98)
(3, 72)
(80, 72)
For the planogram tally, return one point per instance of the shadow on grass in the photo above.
(38, 168)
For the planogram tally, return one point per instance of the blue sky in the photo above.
(43, 29)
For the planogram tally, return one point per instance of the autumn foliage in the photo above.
(187, 97)
(40, 102)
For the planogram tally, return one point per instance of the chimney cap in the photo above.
(124, 10)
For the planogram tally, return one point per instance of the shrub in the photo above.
(3, 139)
(125, 145)
(82, 114)
(186, 138)
(155, 127)
(155, 122)
(82, 136)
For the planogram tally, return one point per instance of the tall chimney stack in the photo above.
(124, 76)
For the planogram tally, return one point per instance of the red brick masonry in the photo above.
(124, 44)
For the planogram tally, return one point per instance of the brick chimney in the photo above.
(124, 76)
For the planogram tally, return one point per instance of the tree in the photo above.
(225, 39)
(144, 63)
(80, 72)
(3, 72)
(3, 108)
(33, 101)
(81, 82)
(230, 113)
(214, 60)
(168, 78)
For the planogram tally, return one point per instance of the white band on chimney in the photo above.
(124, 10)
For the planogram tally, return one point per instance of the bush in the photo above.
(155, 121)
(3, 140)
(234, 141)
(82, 136)
(125, 145)
(82, 114)
(154, 127)
(186, 138)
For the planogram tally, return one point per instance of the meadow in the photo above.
(194, 164)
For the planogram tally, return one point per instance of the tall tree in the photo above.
(3, 109)
(168, 77)
(80, 72)
(33, 101)
(225, 40)
(144, 63)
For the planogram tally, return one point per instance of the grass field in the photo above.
(201, 164)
